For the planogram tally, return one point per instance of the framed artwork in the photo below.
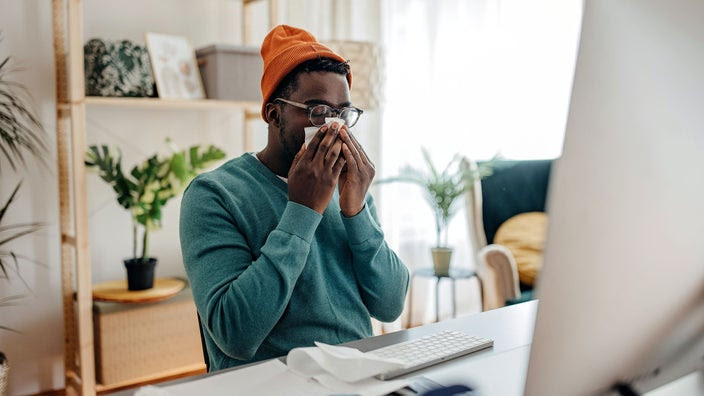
(174, 66)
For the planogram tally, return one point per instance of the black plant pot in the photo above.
(140, 274)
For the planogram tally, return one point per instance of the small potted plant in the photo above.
(145, 191)
(442, 188)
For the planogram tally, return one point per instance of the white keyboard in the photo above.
(429, 350)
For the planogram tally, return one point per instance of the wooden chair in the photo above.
(205, 347)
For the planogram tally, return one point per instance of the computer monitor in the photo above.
(622, 288)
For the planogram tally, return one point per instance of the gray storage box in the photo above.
(231, 72)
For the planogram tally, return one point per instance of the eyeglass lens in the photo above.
(320, 112)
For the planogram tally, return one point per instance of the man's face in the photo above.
(313, 88)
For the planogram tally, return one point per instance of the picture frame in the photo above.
(174, 66)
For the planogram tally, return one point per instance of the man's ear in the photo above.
(272, 114)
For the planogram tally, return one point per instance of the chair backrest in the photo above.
(514, 187)
(202, 342)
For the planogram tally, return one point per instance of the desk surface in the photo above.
(500, 369)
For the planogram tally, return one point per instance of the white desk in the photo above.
(500, 370)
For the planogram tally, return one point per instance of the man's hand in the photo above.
(316, 169)
(356, 177)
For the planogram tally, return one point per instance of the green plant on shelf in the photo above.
(151, 183)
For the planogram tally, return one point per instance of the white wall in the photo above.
(36, 355)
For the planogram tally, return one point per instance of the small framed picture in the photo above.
(174, 66)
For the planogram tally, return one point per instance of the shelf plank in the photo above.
(163, 376)
(116, 291)
(174, 104)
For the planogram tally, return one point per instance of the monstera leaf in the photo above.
(109, 166)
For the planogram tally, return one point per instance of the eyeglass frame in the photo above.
(309, 108)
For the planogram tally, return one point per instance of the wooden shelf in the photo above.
(174, 104)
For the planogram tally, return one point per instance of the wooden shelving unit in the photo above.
(71, 108)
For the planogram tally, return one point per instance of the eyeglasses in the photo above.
(318, 113)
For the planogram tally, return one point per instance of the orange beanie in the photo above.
(284, 48)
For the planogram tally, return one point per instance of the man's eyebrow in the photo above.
(325, 102)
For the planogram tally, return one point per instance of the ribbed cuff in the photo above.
(299, 220)
(360, 227)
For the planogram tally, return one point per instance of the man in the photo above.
(283, 247)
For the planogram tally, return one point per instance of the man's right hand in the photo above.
(316, 169)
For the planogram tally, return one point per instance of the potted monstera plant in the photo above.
(441, 189)
(145, 190)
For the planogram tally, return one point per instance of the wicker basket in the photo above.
(4, 368)
(139, 340)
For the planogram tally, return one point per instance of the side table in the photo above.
(116, 291)
(453, 275)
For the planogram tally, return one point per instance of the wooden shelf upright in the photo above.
(75, 252)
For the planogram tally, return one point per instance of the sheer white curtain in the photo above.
(476, 77)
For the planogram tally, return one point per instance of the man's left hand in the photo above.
(355, 177)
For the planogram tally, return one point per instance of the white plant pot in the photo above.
(441, 260)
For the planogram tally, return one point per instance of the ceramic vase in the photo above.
(441, 260)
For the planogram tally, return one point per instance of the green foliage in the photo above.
(20, 129)
(152, 183)
(9, 260)
(8, 302)
(441, 189)
(21, 134)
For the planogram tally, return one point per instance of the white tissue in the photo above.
(310, 131)
(346, 364)
(329, 120)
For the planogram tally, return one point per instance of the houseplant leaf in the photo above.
(20, 130)
(441, 189)
(12, 232)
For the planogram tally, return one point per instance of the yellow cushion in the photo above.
(524, 236)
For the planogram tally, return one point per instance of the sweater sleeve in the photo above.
(239, 297)
(382, 276)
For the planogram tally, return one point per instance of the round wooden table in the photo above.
(116, 291)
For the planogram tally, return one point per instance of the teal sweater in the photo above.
(269, 275)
